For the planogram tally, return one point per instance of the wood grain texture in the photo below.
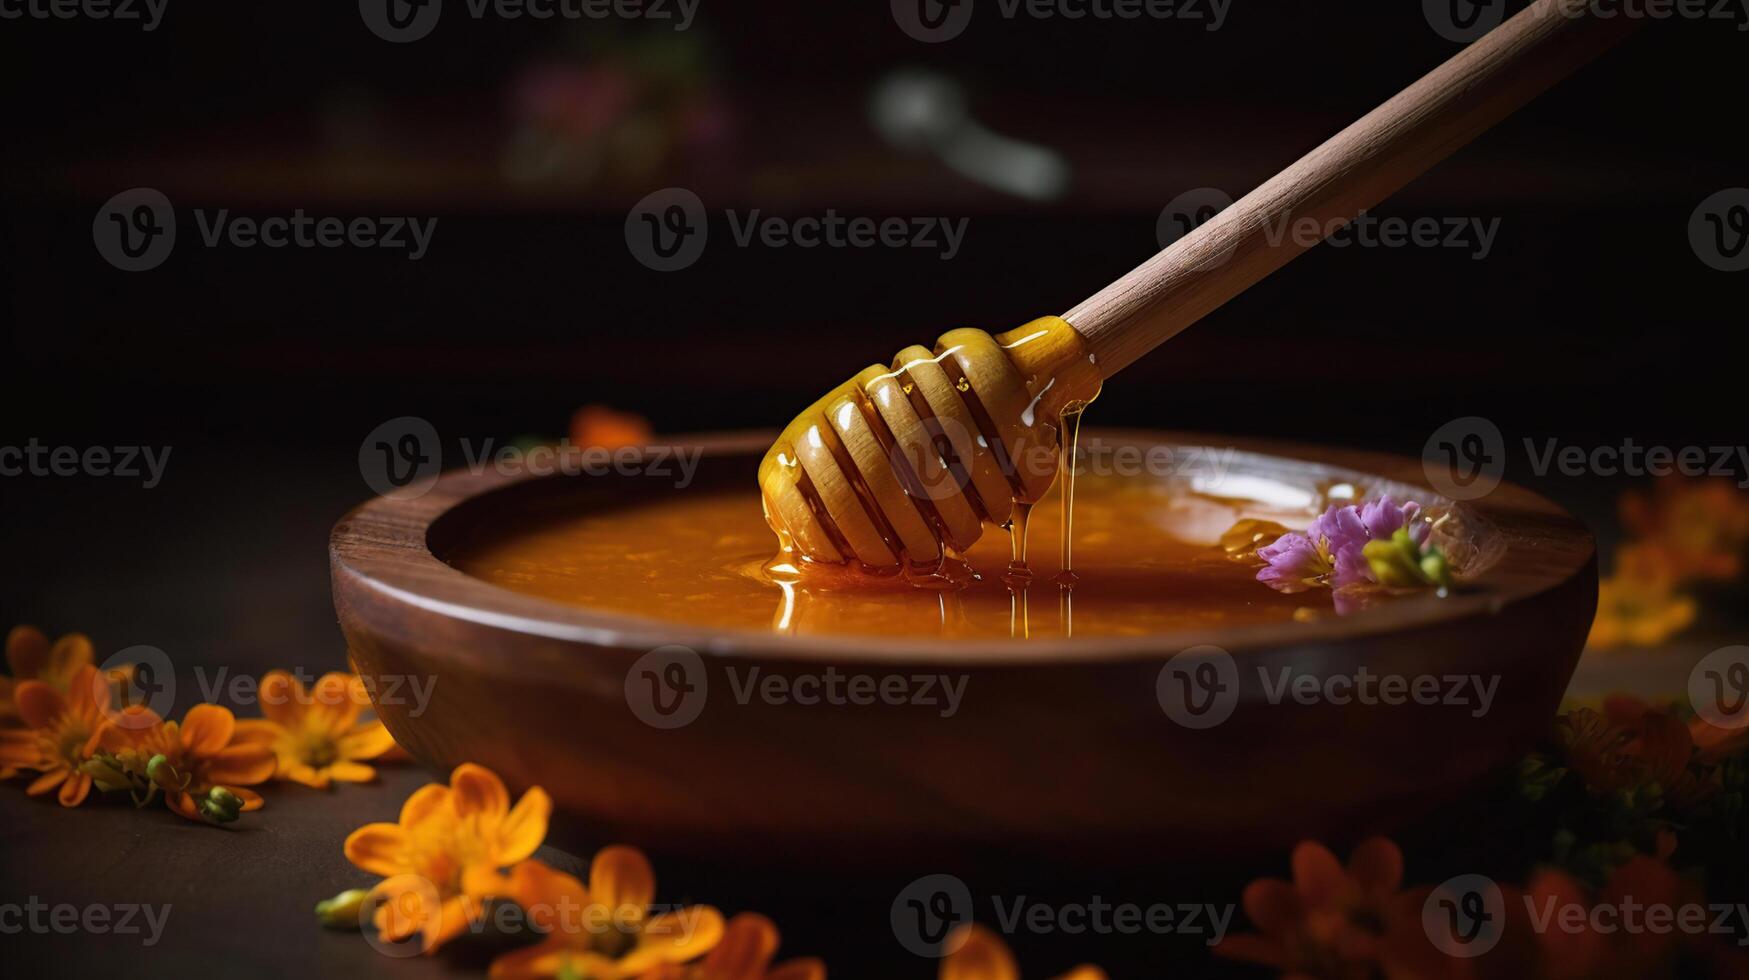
(1353, 170)
(1059, 748)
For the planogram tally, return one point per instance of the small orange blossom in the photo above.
(979, 954)
(316, 734)
(201, 752)
(615, 936)
(749, 943)
(62, 730)
(447, 853)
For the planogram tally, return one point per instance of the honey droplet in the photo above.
(963, 384)
(1242, 540)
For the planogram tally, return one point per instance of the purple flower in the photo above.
(1331, 551)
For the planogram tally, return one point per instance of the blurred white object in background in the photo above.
(925, 111)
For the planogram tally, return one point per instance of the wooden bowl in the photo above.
(1060, 747)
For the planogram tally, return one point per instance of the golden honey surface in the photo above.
(1148, 559)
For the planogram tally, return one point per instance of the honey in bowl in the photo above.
(1148, 559)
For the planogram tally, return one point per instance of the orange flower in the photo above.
(605, 931)
(748, 945)
(1700, 526)
(63, 728)
(1639, 605)
(317, 735)
(202, 752)
(445, 856)
(601, 427)
(979, 954)
(29, 656)
(1332, 921)
(1632, 745)
(1588, 946)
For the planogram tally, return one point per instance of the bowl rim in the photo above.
(382, 547)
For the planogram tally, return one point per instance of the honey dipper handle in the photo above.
(1352, 171)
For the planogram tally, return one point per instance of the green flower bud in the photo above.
(221, 805)
(106, 773)
(342, 911)
(160, 771)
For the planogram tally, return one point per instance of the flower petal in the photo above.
(380, 848)
(1317, 874)
(70, 653)
(21, 747)
(352, 772)
(814, 969)
(749, 942)
(257, 731)
(338, 698)
(207, 728)
(425, 801)
(38, 704)
(75, 789)
(244, 765)
(542, 892)
(524, 827)
(1274, 906)
(27, 649)
(977, 955)
(251, 799)
(1377, 864)
(620, 879)
(88, 692)
(451, 920)
(282, 698)
(47, 781)
(674, 937)
(478, 790)
(367, 741)
(299, 772)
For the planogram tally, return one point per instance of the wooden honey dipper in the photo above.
(900, 461)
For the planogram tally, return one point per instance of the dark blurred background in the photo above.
(1590, 320)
